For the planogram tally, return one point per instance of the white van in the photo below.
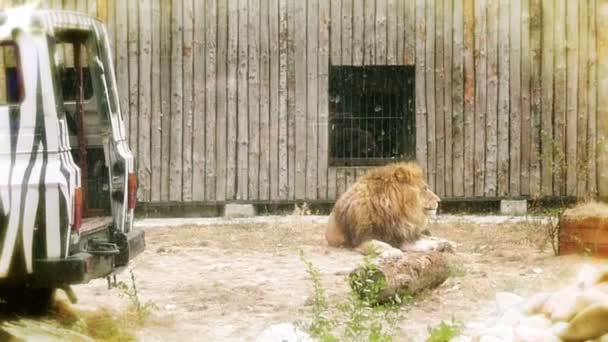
(67, 176)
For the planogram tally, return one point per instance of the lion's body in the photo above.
(388, 204)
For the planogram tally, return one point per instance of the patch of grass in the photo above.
(359, 318)
(444, 331)
(102, 325)
(136, 309)
(457, 270)
(320, 326)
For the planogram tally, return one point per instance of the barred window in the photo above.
(372, 115)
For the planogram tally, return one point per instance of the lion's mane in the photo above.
(385, 204)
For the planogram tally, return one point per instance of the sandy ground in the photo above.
(228, 282)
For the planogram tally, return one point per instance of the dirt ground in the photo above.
(229, 282)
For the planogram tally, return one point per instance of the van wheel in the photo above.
(38, 301)
(28, 301)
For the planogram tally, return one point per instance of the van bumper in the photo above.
(82, 267)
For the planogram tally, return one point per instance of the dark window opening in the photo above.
(69, 44)
(11, 79)
(372, 115)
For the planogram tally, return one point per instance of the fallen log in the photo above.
(406, 275)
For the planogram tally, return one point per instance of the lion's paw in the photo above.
(393, 253)
(431, 244)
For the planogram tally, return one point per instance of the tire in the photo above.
(29, 301)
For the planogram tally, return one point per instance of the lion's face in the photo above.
(430, 201)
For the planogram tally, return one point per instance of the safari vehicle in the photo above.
(67, 179)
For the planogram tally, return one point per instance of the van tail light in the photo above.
(132, 190)
(77, 210)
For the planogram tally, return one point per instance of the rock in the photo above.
(283, 332)
(507, 300)
(513, 207)
(233, 210)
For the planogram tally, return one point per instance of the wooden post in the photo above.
(602, 110)
(102, 10)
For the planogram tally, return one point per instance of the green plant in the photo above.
(141, 310)
(358, 318)
(444, 331)
(320, 326)
(457, 270)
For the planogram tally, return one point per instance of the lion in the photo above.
(386, 210)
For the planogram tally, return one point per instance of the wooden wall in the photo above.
(228, 100)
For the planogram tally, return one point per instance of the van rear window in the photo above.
(69, 73)
(11, 79)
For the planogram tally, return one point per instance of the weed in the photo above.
(457, 270)
(140, 310)
(361, 318)
(321, 325)
(444, 332)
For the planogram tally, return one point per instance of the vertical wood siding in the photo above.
(228, 100)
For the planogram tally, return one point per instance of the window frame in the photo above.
(408, 107)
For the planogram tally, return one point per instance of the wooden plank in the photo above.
(111, 27)
(340, 181)
(133, 87)
(232, 65)
(347, 32)
(491, 152)
(155, 105)
(439, 168)
(254, 101)
(380, 40)
(122, 60)
(323, 94)
(336, 32)
(210, 99)
(358, 34)
(283, 116)
(536, 26)
(526, 121)
(188, 101)
(144, 168)
(409, 54)
(457, 95)
(312, 115)
(502, 177)
(592, 138)
(81, 6)
(175, 166)
(242, 98)
(301, 131)
(400, 32)
(221, 102)
(165, 96)
(559, 133)
(572, 37)
(602, 105)
(291, 97)
(448, 27)
(92, 10)
(430, 94)
(199, 79)
(583, 89)
(421, 113)
(335, 55)
(391, 32)
(369, 33)
(264, 103)
(350, 177)
(274, 114)
(101, 10)
(474, 96)
(547, 71)
(515, 123)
